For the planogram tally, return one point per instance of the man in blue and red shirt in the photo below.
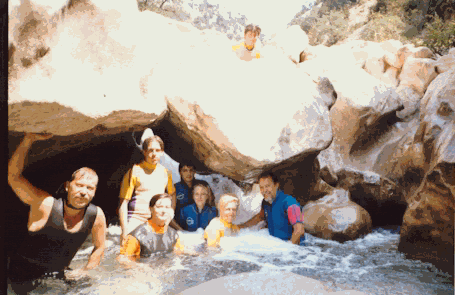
(281, 212)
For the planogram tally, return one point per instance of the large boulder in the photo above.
(336, 217)
(418, 73)
(423, 164)
(125, 83)
(292, 41)
(445, 63)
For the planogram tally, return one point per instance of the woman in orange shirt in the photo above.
(153, 236)
(141, 183)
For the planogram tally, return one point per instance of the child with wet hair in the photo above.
(222, 226)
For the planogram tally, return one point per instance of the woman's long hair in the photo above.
(210, 199)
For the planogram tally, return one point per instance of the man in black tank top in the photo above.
(56, 227)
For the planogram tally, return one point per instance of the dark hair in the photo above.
(157, 197)
(252, 28)
(267, 174)
(82, 171)
(186, 163)
(211, 198)
(148, 140)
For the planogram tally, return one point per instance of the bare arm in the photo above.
(253, 221)
(27, 193)
(98, 238)
(123, 215)
(297, 232)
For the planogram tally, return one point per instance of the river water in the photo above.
(370, 264)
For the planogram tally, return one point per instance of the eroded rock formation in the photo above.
(358, 132)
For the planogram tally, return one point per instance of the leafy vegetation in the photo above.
(439, 36)
(423, 22)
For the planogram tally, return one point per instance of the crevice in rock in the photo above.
(382, 213)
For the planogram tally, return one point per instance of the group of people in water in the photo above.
(152, 211)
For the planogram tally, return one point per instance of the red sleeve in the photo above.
(294, 214)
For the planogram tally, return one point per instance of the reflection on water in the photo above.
(371, 264)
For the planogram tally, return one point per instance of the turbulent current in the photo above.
(370, 264)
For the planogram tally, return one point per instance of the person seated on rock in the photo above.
(281, 212)
(222, 226)
(184, 188)
(153, 236)
(57, 228)
(199, 214)
(141, 183)
(247, 50)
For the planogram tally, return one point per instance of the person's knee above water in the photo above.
(223, 226)
(141, 183)
(185, 187)
(281, 212)
(247, 50)
(199, 214)
(57, 228)
(153, 236)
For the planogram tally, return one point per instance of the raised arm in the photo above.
(26, 192)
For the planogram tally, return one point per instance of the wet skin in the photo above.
(229, 212)
(268, 188)
(162, 212)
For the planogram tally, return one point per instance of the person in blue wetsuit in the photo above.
(281, 212)
(199, 214)
(184, 188)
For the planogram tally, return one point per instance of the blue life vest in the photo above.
(276, 215)
(192, 219)
(184, 197)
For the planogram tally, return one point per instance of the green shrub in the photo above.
(328, 29)
(439, 36)
(384, 27)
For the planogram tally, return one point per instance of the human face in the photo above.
(250, 38)
(229, 212)
(154, 152)
(81, 190)
(200, 196)
(187, 174)
(162, 212)
(268, 188)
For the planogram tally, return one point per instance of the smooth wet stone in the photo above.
(270, 282)
(336, 217)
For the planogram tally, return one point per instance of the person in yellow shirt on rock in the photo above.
(222, 226)
(247, 50)
(140, 184)
(153, 236)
